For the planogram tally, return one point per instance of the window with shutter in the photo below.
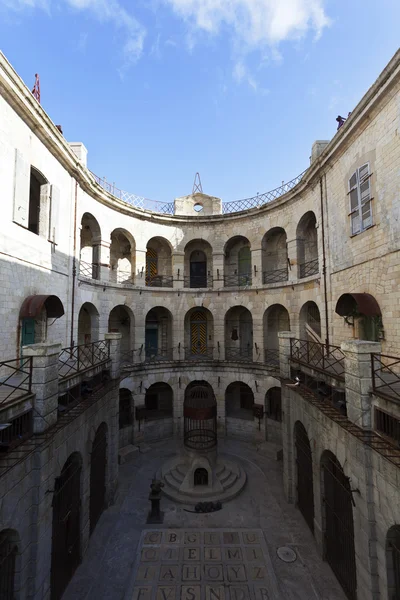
(21, 190)
(360, 200)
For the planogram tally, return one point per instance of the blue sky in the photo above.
(235, 89)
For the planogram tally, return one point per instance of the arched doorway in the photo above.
(393, 562)
(200, 420)
(8, 558)
(310, 322)
(88, 324)
(158, 405)
(89, 260)
(276, 319)
(200, 477)
(198, 264)
(158, 334)
(98, 468)
(198, 334)
(307, 246)
(66, 533)
(337, 501)
(237, 262)
(274, 256)
(362, 311)
(158, 263)
(122, 257)
(121, 321)
(304, 472)
(34, 314)
(273, 404)
(238, 334)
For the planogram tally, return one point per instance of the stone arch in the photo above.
(158, 262)
(307, 245)
(274, 256)
(238, 334)
(121, 320)
(158, 334)
(125, 408)
(304, 474)
(200, 417)
(239, 401)
(199, 333)
(198, 264)
(337, 522)
(237, 262)
(89, 258)
(122, 256)
(159, 401)
(88, 324)
(310, 322)
(10, 563)
(362, 311)
(393, 561)
(273, 403)
(276, 318)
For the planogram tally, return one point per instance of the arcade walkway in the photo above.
(108, 570)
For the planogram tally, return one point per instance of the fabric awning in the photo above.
(364, 304)
(32, 307)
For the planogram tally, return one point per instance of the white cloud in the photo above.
(242, 74)
(105, 11)
(255, 23)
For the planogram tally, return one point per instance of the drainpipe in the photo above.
(74, 268)
(324, 263)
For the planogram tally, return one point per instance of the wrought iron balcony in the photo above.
(386, 376)
(275, 276)
(201, 353)
(163, 281)
(309, 268)
(156, 354)
(327, 359)
(239, 354)
(15, 380)
(89, 270)
(80, 358)
(235, 280)
(271, 357)
(16, 431)
(198, 281)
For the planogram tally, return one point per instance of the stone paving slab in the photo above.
(207, 564)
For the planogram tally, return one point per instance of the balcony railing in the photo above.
(199, 354)
(89, 270)
(163, 281)
(198, 281)
(309, 268)
(240, 354)
(236, 280)
(124, 277)
(271, 357)
(275, 276)
(328, 359)
(15, 380)
(156, 354)
(386, 376)
(80, 358)
(16, 431)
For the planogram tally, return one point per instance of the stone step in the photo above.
(230, 481)
(182, 469)
(171, 482)
(177, 475)
(127, 453)
(225, 475)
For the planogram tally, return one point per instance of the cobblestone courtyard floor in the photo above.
(227, 555)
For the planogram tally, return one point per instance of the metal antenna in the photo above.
(197, 187)
(36, 88)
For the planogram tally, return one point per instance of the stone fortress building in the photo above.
(285, 307)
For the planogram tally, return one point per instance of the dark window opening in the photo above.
(201, 477)
(274, 404)
(388, 426)
(125, 412)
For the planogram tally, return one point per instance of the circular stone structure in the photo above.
(198, 473)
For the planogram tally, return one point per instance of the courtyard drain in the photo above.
(286, 554)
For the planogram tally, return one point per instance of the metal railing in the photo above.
(15, 379)
(386, 376)
(199, 354)
(271, 357)
(18, 430)
(236, 280)
(198, 281)
(156, 354)
(328, 359)
(168, 208)
(275, 276)
(387, 425)
(79, 358)
(124, 277)
(309, 268)
(163, 281)
(89, 270)
(239, 353)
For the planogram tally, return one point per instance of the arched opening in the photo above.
(66, 532)
(361, 311)
(159, 401)
(273, 404)
(89, 262)
(307, 246)
(237, 267)
(88, 324)
(274, 256)
(34, 314)
(9, 541)
(200, 417)
(199, 334)
(310, 323)
(122, 257)
(158, 263)
(304, 472)
(98, 470)
(200, 477)
(393, 562)
(125, 413)
(198, 264)
(121, 321)
(337, 501)
(158, 334)
(239, 401)
(238, 334)
(276, 319)
(39, 204)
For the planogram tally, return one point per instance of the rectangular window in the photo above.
(387, 425)
(360, 200)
